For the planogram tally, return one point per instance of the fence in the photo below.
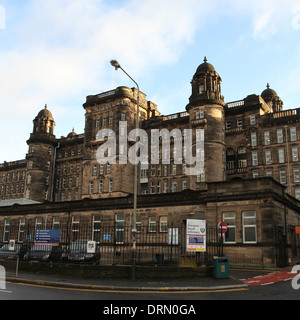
(114, 243)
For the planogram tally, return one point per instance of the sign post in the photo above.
(222, 229)
(196, 235)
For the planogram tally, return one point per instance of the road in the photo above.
(277, 291)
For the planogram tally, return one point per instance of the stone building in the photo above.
(250, 178)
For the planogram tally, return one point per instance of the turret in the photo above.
(207, 111)
(41, 157)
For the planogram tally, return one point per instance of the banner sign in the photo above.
(47, 237)
(196, 235)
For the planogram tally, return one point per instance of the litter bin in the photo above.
(160, 259)
(221, 268)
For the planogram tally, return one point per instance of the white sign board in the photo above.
(12, 244)
(91, 246)
(196, 235)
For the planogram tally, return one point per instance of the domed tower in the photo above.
(207, 111)
(41, 157)
(271, 98)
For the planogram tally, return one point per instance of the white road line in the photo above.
(5, 291)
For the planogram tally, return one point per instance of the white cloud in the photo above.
(59, 50)
(268, 17)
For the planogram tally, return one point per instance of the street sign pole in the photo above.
(222, 229)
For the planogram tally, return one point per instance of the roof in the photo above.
(8, 203)
(204, 67)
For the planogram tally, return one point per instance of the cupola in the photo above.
(206, 86)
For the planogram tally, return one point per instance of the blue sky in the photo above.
(58, 52)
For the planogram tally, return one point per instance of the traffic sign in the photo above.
(222, 227)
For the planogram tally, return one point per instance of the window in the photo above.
(229, 219)
(282, 176)
(174, 186)
(249, 227)
(228, 125)
(163, 224)
(242, 163)
(254, 159)
(21, 230)
(239, 123)
(293, 133)
(253, 139)
(295, 156)
(255, 174)
(279, 136)
(269, 173)
(96, 228)
(297, 194)
(38, 223)
(6, 230)
(56, 223)
(119, 233)
(94, 170)
(75, 228)
(281, 156)
(152, 190)
(199, 114)
(152, 225)
(296, 174)
(174, 169)
(91, 188)
(123, 117)
(183, 185)
(100, 186)
(230, 165)
(110, 185)
(158, 187)
(268, 156)
(165, 190)
(267, 138)
(252, 120)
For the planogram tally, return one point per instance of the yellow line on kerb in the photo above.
(162, 291)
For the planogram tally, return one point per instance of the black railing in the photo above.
(113, 245)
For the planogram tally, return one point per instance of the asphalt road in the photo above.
(277, 291)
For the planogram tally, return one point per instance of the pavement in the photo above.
(238, 278)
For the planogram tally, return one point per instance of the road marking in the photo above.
(130, 291)
(5, 291)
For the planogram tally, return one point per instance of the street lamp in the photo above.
(117, 66)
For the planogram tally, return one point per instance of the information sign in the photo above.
(196, 235)
(47, 237)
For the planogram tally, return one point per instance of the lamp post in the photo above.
(117, 66)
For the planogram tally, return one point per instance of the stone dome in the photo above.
(205, 67)
(45, 113)
(269, 94)
(72, 134)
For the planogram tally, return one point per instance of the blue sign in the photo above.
(106, 237)
(47, 237)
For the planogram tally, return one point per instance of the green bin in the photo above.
(221, 268)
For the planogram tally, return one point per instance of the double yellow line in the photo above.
(161, 291)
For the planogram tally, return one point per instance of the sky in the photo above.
(58, 52)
